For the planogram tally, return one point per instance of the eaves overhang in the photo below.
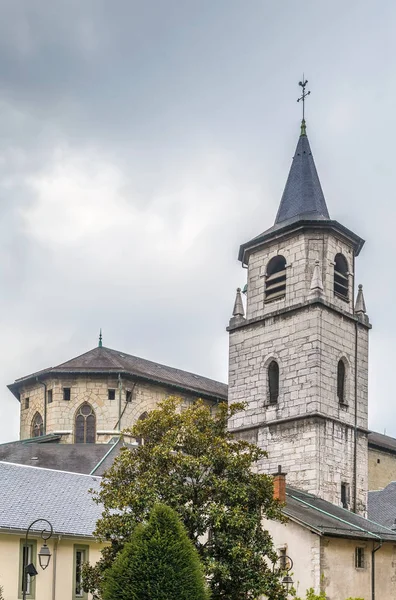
(292, 227)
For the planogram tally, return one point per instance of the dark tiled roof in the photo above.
(77, 458)
(303, 197)
(105, 360)
(328, 519)
(382, 505)
(62, 498)
(382, 442)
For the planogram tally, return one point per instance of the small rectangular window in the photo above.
(359, 558)
(128, 396)
(27, 400)
(49, 396)
(66, 393)
(111, 394)
(27, 556)
(345, 495)
(80, 557)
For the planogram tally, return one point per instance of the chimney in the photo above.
(280, 485)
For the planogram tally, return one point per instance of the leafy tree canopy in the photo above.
(190, 462)
(159, 563)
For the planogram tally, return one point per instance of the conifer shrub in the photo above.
(158, 563)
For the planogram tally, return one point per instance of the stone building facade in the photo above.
(92, 398)
(299, 358)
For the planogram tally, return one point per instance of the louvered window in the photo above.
(273, 382)
(275, 280)
(341, 280)
(341, 381)
(85, 425)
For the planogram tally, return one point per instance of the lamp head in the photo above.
(44, 556)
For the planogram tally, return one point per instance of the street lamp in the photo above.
(285, 566)
(44, 555)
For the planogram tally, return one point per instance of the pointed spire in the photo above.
(316, 289)
(100, 339)
(238, 311)
(303, 196)
(360, 305)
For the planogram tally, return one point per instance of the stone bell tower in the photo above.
(299, 358)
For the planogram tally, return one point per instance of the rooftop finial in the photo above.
(238, 306)
(100, 338)
(303, 83)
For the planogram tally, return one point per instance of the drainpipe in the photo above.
(374, 550)
(45, 405)
(54, 568)
(355, 424)
(119, 400)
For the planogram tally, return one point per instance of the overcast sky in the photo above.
(142, 141)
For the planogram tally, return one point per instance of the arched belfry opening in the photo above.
(275, 280)
(85, 425)
(341, 280)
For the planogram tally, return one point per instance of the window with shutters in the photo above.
(85, 425)
(273, 381)
(275, 279)
(341, 382)
(341, 278)
(37, 428)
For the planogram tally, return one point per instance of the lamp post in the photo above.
(44, 554)
(285, 566)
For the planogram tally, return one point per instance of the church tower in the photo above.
(299, 358)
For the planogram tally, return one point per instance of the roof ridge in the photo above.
(4, 462)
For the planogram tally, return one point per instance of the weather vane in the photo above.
(303, 83)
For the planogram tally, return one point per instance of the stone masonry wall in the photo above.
(94, 390)
(382, 469)
(307, 343)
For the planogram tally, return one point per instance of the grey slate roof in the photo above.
(77, 458)
(103, 360)
(382, 505)
(303, 197)
(382, 442)
(28, 493)
(328, 519)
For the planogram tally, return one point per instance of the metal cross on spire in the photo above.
(304, 94)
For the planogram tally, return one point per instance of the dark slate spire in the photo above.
(303, 197)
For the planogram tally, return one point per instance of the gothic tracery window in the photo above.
(85, 425)
(37, 425)
(143, 416)
(273, 381)
(341, 281)
(341, 376)
(275, 279)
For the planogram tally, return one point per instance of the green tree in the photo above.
(159, 563)
(191, 462)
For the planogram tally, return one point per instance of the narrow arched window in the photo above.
(275, 279)
(85, 425)
(341, 281)
(37, 428)
(142, 417)
(341, 382)
(273, 381)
